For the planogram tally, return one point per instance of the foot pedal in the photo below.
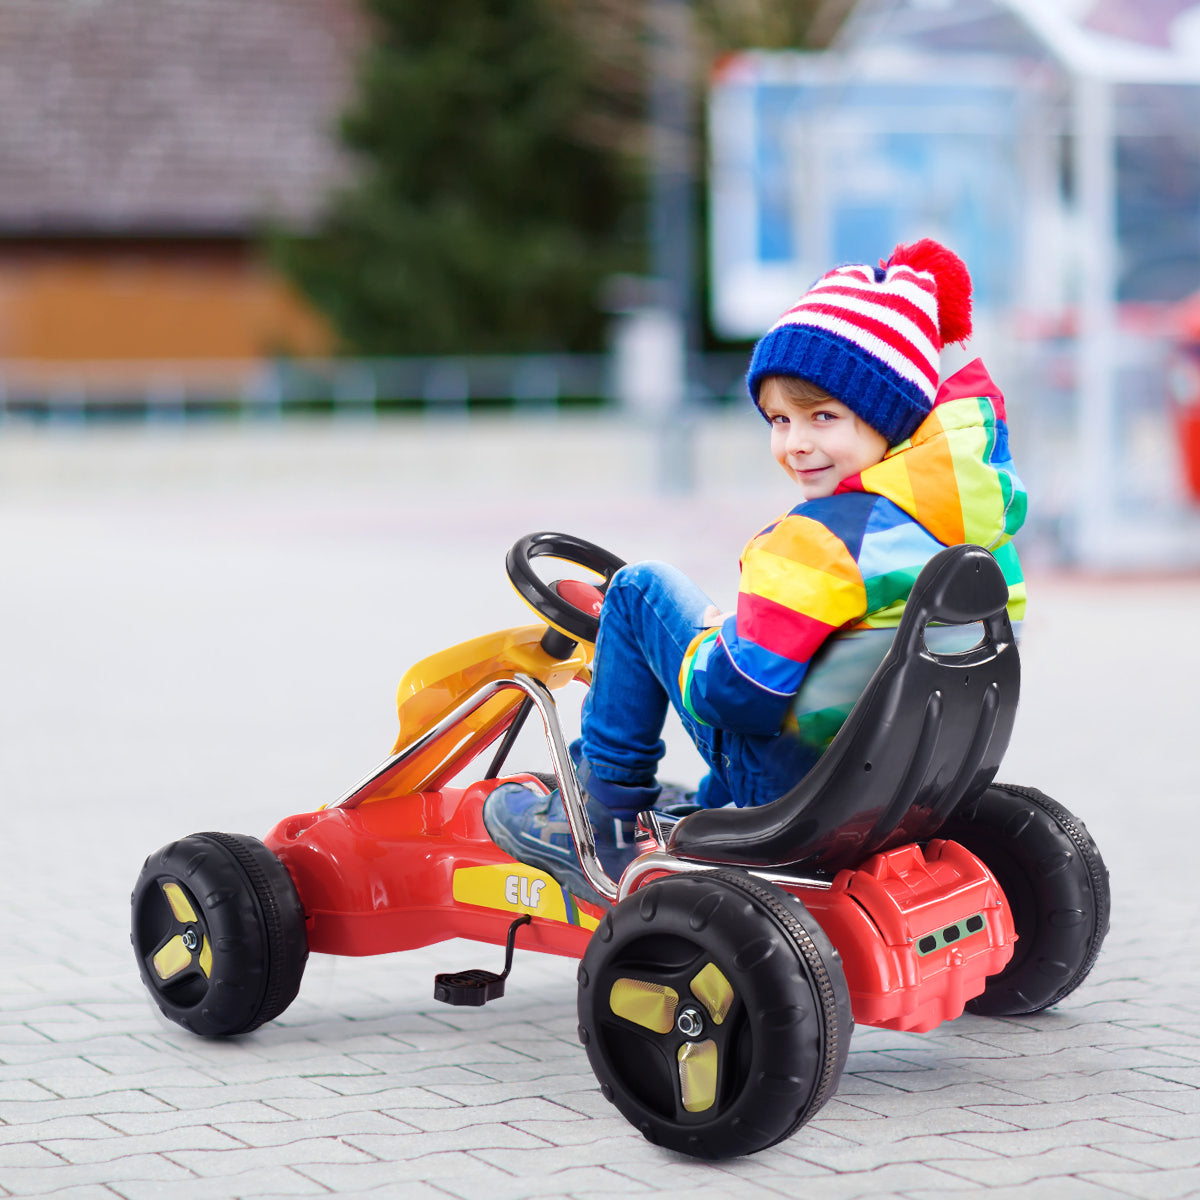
(477, 987)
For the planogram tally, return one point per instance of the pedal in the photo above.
(476, 987)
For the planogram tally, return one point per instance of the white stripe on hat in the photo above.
(850, 331)
(853, 310)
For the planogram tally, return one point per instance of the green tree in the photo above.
(481, 218)
(499, 148)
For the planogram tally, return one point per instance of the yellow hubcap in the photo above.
(186, 947)
(657, 1007)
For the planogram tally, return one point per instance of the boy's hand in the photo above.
(713, 617)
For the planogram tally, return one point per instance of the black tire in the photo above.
(763, 994)
(1057, 884)
(219, 933)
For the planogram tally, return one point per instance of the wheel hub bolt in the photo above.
(190, 940)
(690, 1023)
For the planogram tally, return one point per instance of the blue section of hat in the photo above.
(888, 402)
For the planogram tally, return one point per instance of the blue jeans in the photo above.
(650, 615)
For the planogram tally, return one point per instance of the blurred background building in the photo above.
(144, 147)
(207, 206)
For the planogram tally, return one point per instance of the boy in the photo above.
(890, 469)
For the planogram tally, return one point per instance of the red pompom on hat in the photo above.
(872, 336)
(953, 285)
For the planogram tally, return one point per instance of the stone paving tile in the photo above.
(1109, 1134)
(479, 1138)
(52, 1127)
(107, 1149)
(387, 1099)
(1066, 1187)
(479, 1057)
(674, 1174)
(1166, 1125)
(551, 1159)
(1188, 1076)
(891, 1101)
(583, 1098)
(850, 1157)
(261, 1183)
(26, 1154)
(47, 1106)
(531, 1110)
(85, 1191)
(1170, 1153)
(578, 1132)
(1076, 1085)
(45, 1180)
(1152, 1185)
(283, 1088)
(283, 1131)
(1120, 1108)
(248, 1112)
(933, 1122)
(1173, 1099)
(892, 1179)
(223, 1162)
(467, 1177)
(1006, 1169)
(491, 1093)
(726, 1189)
(396, 1185)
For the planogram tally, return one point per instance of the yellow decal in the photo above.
(698, 1075)
(206, 959)
(514, 887)
(712, 989)
(179, 903)
(651, 1005)
(172, 959)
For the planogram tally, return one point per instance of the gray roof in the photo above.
(170, 116)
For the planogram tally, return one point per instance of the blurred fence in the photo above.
(177, 389)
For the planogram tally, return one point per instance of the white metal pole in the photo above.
(1097, 535)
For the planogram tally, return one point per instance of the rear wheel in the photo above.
(1056, 883)
(219, 933)
(715, 1013)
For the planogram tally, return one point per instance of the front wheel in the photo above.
(1056, 883)
(219, 933)
(715, 1013)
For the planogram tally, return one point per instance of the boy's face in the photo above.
(818, 442)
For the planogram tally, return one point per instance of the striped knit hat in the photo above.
(871, 336)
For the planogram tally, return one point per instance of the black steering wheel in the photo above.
(570, 606)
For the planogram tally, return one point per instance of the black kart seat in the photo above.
(929, 730)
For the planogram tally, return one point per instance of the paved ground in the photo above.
(207, 633)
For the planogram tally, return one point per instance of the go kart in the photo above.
(720, 977)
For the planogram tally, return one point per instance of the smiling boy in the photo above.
(815, 438)
(890, 467)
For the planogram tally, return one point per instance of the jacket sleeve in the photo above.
(799, 584)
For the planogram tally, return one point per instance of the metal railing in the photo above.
(179, 389)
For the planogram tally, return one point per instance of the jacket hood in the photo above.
(955, 475)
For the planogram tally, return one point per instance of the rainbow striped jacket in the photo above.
(848, 561)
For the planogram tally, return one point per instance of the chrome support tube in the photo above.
(560, 760)
(660, 860)
(568, 786)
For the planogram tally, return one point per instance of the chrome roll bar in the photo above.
(560, 760)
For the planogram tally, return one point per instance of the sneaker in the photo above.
(533, 828)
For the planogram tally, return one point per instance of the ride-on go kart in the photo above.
(721, 975)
